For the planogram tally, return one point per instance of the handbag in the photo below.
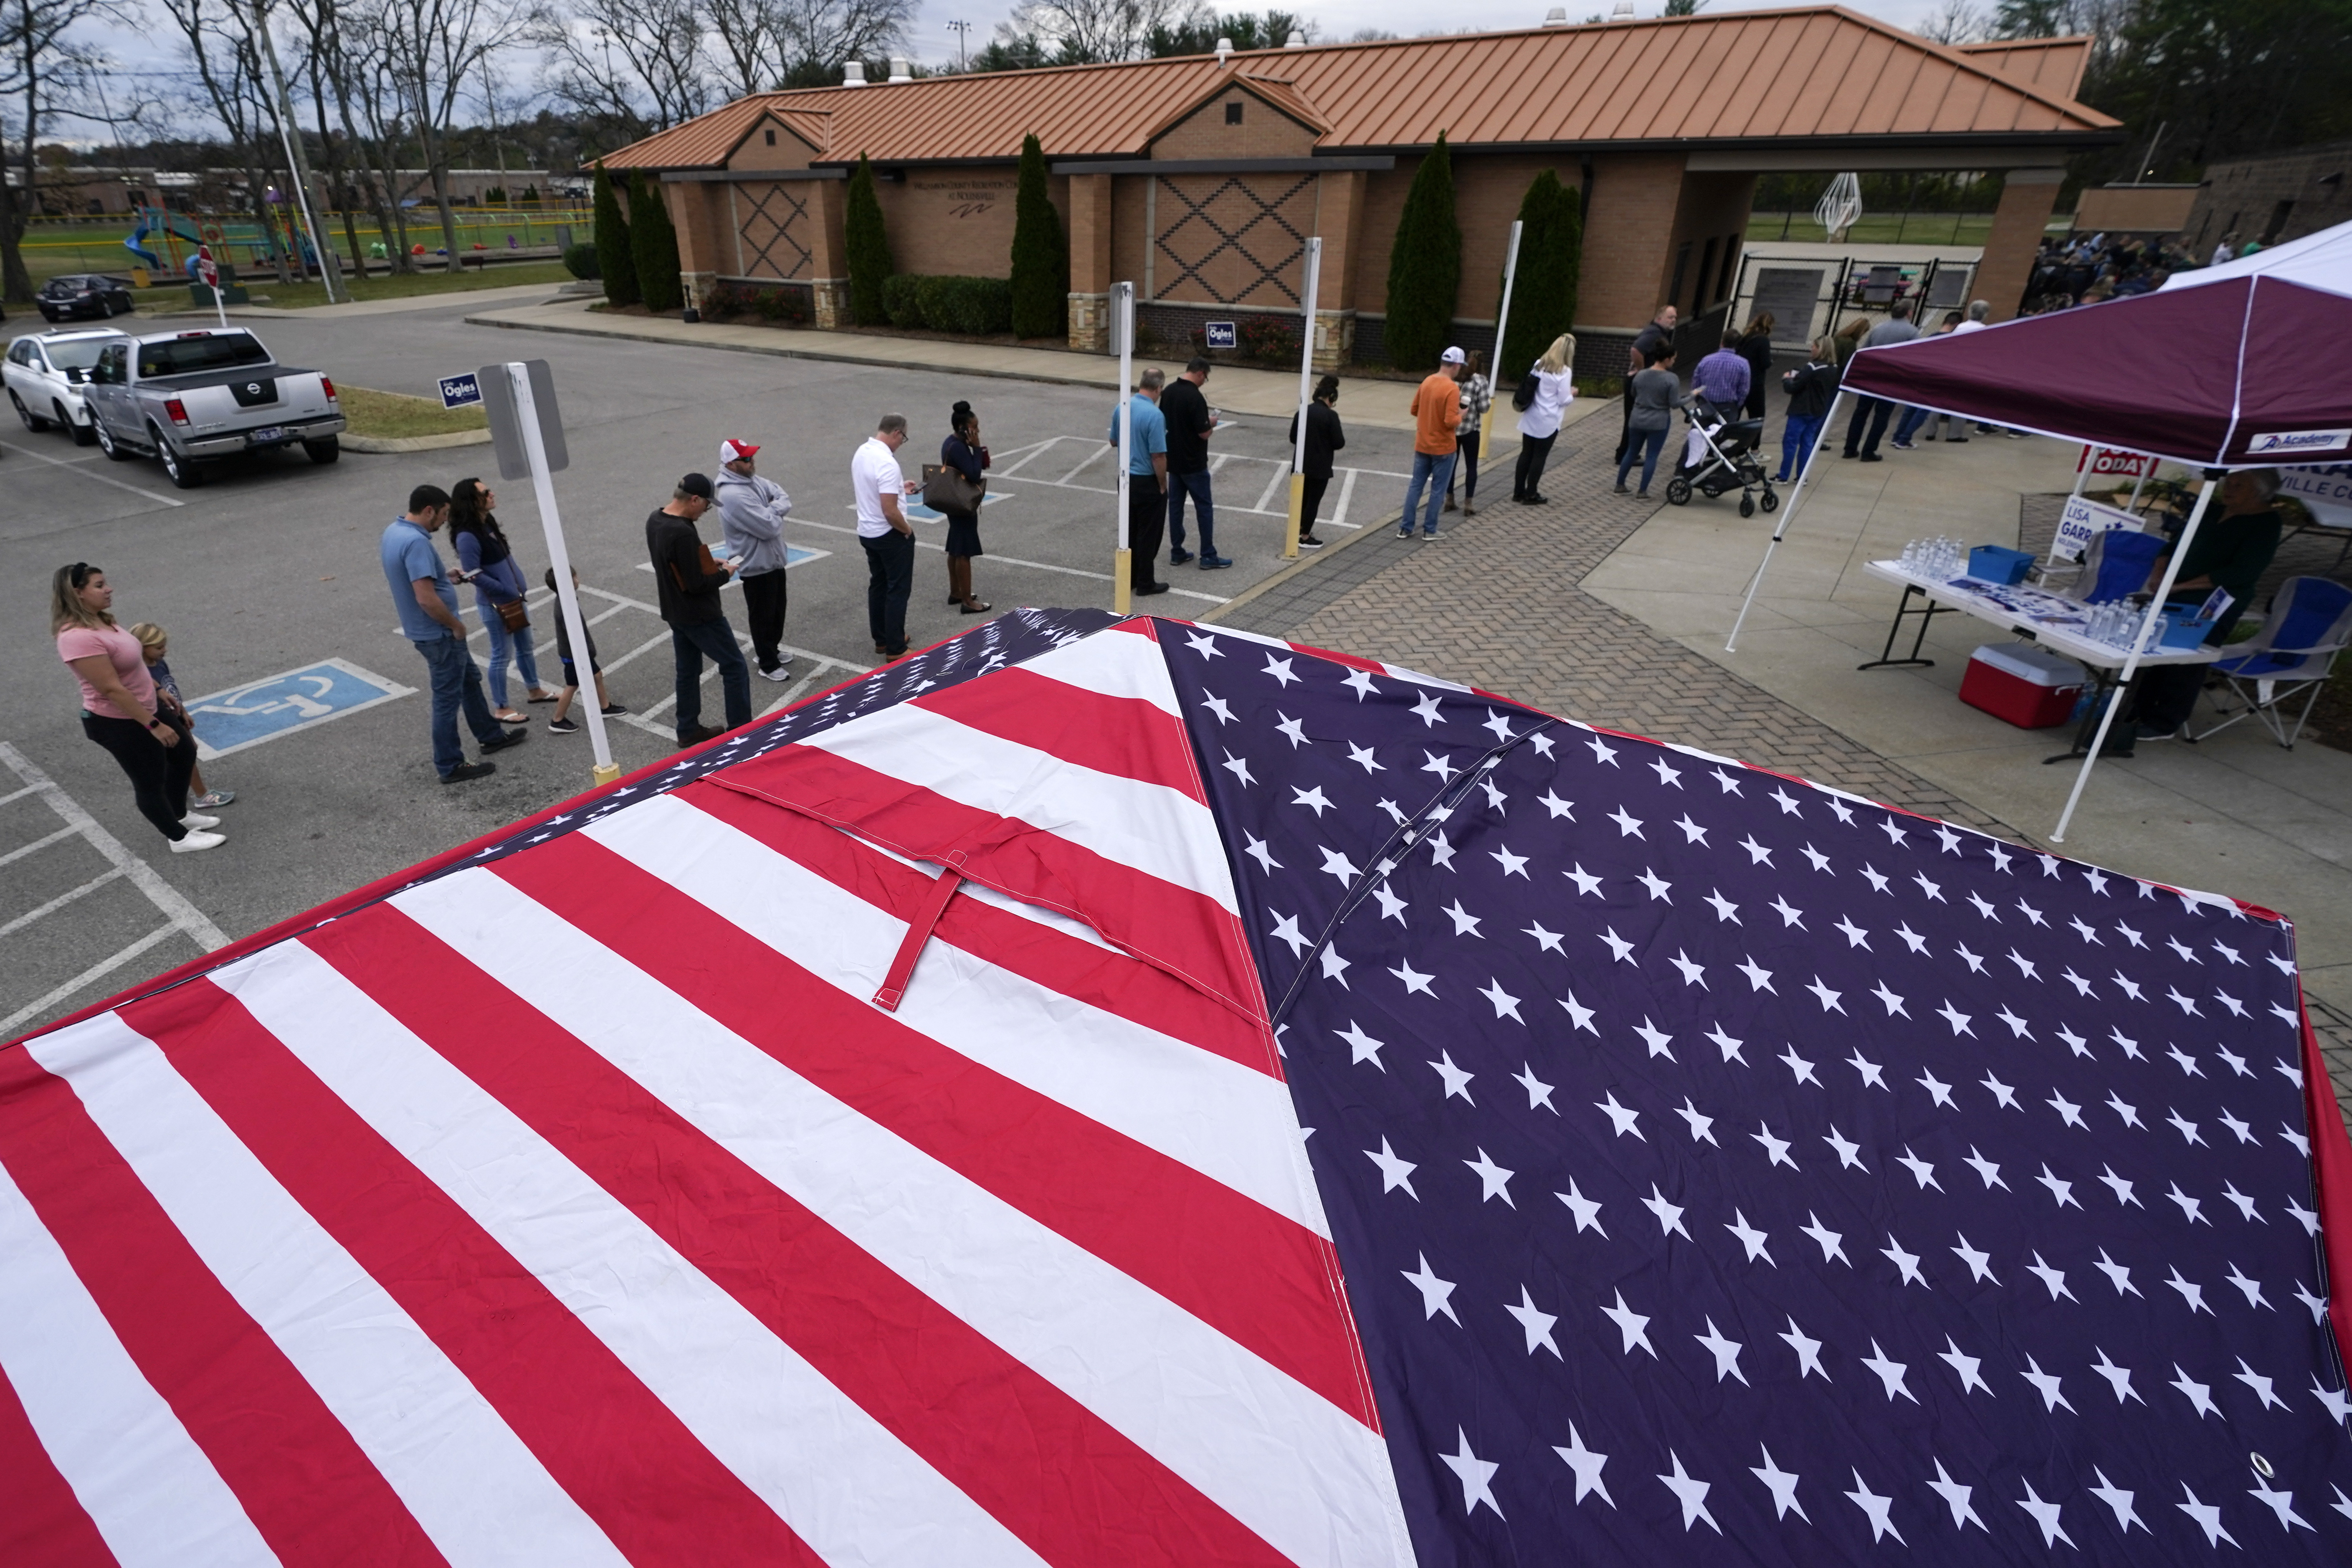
(947, 488)
(513, 614)
(1524, 397)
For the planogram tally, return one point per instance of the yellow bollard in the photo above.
(1123, 600)
(602, 773)
(1297, 504)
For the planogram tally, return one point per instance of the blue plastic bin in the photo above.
(1998, 564)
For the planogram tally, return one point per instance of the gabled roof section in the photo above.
(1746, 77)
(1276, 92)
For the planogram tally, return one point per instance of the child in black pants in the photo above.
(558, 723)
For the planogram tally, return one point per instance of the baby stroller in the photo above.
(1719, 456)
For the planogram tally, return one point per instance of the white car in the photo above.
(46, 373)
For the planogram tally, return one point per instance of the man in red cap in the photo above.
(751, 512)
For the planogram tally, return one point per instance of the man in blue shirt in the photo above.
(1147, 468)
(1722, 377)
(427, 603)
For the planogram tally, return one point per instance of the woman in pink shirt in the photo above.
(119, 708)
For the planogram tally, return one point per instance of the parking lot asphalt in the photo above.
(284, 639)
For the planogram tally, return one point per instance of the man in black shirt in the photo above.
(687, 581)
(2231, 552)
(1187, 413)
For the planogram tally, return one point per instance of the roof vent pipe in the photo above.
(898, 68)
(1623, 12)
(1295, 41)
(1224, 48)
(852, 73)
(1557, 16)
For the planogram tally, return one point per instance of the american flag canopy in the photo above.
(1122, 1092)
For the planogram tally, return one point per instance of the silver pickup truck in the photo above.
(189, 397)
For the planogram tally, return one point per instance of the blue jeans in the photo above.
(1644, 445)
(1909, 425)
(504, 645)
(457, 683)
(1435, 469)
(1797, 443)
(714, 640)
(1195, 485)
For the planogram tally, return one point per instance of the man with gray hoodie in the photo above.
(751, 512)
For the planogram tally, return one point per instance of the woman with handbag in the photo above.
(488, 561)
(955, 490)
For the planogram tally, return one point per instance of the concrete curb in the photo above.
(414, 443)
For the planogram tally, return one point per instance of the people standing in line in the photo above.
(1722, 377)
(751, 512)
(2226, 251)
(1477, 396)
(155, 643)
(962, 452)
(1147, 481)
(1811, 388)
(1541, 420)
(120, 710)
(1916, 419)
(486, 559)
(1657, 392)
(1324, 436)
(427, 603)
(1876, 412)
(883, 530)
(1640, 356)
(1437, 416)
(1756, 348)
(561, 721)
(1189, 422)
(687, 581)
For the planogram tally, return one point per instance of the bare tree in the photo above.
(436, 47)
(749, 42)
(1956, 22)
(42, 75)
(1093, 31)
(217, 36)
(638, 62)
(822, 33)
(351, 56)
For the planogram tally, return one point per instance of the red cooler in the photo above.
(2030, 687)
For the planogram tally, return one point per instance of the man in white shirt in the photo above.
(883, 529)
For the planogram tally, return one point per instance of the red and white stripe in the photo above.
(584, 1208)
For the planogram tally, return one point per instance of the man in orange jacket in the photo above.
(1436, 414)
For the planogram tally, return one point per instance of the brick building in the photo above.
(1200, 178)
(2281, 196)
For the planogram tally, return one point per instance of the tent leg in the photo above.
(2131, 662)
(1788, 514)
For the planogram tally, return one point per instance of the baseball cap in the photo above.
(696, 485)
(1452, 356)
(734, 451)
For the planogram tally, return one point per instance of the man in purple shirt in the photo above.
(1722, 377)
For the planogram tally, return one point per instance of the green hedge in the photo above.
(579, 260)
(977, 307)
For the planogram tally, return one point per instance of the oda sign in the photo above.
(1221, 336)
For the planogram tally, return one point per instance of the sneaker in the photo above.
(1432, 534)
(1779, 478)
(563, 726)
(1539, 501)
(612, 709)
(783, 671)
(2146, 732)
(461, 774)
(198, 819)
(1308, 542)
(1905, 447)
(1849, 456)
(1874, 457)
(1956, 440)
(212, 798)
(188, 844)
(1150, 588)
(1178, 556)
(1405, 533)
(698, 734)
(1215, 563)
(511, 738)
(2014, 434)
(1620, 487)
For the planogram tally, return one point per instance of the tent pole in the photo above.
(2131, 661)
(1812, 462)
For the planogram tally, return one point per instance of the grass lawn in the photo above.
(394, 415)
(398, 286)
(1874, 228)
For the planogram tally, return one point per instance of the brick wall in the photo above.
(1265, 132)
(954, 222)
(770, 145)
(2244, 197)
(1627, 229)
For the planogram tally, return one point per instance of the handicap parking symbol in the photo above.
(917, 512)
(281, 704)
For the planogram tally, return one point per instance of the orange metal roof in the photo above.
(2053, 65)
(1770, 76)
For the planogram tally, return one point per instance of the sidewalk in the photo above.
(1381, 404)
(514, 293)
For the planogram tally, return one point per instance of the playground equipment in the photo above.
(181, 232)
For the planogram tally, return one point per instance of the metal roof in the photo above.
(1753, 76)
(2053, 65)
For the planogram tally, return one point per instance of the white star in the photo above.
(1579, 1017)
(1280, 669)
(1854, 935)
(1667, 775)
(1656, 1039)
(1434, 1291)
(1285, 930)
(1876, 1508)
(1933, 889)
(1670, 1218)
(1693, 974)
(1426, 710)
(1692, 832)
(2085, 932)
(1831, 1244)
(1725, 910)
(1757, 854)
(1798, 1065)
(1691, 1494)
(1603, 752)
(1783, 1485)
(1911, 939)
(1976, 967)
(1730, 785)
(2030, 912)
(1907, 1264)
(2055, 1279)
(2129, 1113)
(1809, 1352)
(1537, 1324)
(1751, 1238)
(2019, 1029)
(1360, 682)
(1539, 1092)
(2045, 1514)
(2252, 1289)
(1456, 1080)
(1759, 979)
(1921, 1171)
(2192, 1294)
(1394, 1172)
(1890, 1372)
(1557, 806)
(2261, 1385)
(1984, 906)
(1632, 1324)
(1985, 1169)
(1314, 799)
(1495, 1180)
(1775, 1149)
(1872, 1073)
(1587, 1212)
(1337, 865)
(2281, 1503)
(2182, 1125)
(2024, 966)
(2045, 1383)
(1892, 1003)
(2128, 987)
(1619, 947)
(1622, 1117)
(1217, 705)
(1366, 1049)
(1291, 731)
(1966, 1365)
(2118, 1378)
(1258, 852)
(2192, 1211)
(1363, 757)
(2122, 1189)
(1724, 1042)
(1956, 1497)
(1548, 939)
(2303, 1216)
(2302, 1144)
(1335, 966)
(1628, 826)
(1848, 1152)
(1585, 881)
(2068, 1111)
(1500, 726)
(1700, 1126)
(1587, 1466)
(2200, 1395)
(1828, 998)
(1430, 762)
(2208, 1517)
(1473, 1473)
(1506, 1004)
(2243, 1131)
(2061, 1190)
(1512, 865)
(1441, 853)
(1414, 981)
(1979, 1263)
(1726, 1352)
(1821, 861)
(1238, 767)
(2338, 1403)
(1957, 1019)
(2117, 1275)
(1657, 884)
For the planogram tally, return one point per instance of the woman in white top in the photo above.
(1539, 421)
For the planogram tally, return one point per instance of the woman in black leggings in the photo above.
(121, 709)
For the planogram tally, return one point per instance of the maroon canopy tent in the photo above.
(2232, 366)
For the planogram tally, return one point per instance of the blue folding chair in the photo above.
(2116, 562)
(2310, 622)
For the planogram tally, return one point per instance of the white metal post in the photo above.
(1122, 321)
(1299, 524)
(2139, 643)
(1502, 326)
(1788, 514)
(567, 599)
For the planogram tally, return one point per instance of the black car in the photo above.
(85, 294)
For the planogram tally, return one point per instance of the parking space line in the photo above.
(101, 478)
(90, 976)
(651, 643)
(24, 849)
(19, 795)
(1281, 478)
(1083, 462)
(1017, 561)
(1347, 494)
(174, 904)
(1030, 454)
(61, 901)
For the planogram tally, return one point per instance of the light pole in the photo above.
(962, 30)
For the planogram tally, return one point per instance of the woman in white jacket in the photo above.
(1541, 418)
